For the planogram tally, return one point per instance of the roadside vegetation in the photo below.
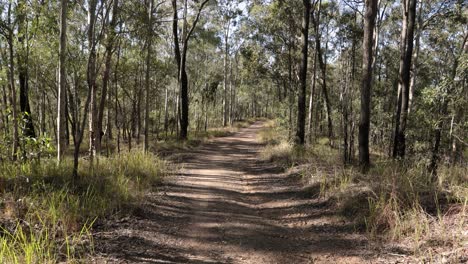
(47, 216)
(393, 203)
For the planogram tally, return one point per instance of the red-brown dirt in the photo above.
(225, 205)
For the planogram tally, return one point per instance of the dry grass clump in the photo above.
(46, 215)
(272, 134)
(282, 152)
(399, 203)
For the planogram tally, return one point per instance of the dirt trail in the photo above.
(227, 206)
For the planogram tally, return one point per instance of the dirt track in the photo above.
(227, 206)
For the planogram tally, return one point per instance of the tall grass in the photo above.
(395, 201)
(47, 215)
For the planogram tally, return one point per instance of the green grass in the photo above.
(47, 216)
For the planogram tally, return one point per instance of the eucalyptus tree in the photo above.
(180, 53)
(91, 74)
(7, 29)
(61, 98)
(149, 43)
(111, 37)
(301, 100)
(324, 17)
(23, 37)
(367, 59)
(406, 55)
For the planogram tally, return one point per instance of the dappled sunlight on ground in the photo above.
(227, 206)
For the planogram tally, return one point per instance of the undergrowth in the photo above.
(395, 201)
(47, 216)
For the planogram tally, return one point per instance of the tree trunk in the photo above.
(314, 71)
(148, 71)
(406, 55)
(106, 75)
(166, 112)
(344, 98)
(322, 59)
(116, 98)
(61, 118)
(417, 44)
(11, 78)
(301, 99)
(225, 73)
(91, 79)
(366, 84)
(181, 58)
(23, 71)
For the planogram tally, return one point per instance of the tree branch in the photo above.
(196, 20)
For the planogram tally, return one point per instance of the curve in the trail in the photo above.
(227, 206)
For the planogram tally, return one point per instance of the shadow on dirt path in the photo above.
(227, 206)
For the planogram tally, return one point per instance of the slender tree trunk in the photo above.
(23, 71)
(116, 103)
(409, 16)
(366, 84)
(138, 112)
(312, 93)
(184, 103)
(344, 98)
(181, 58)
(314, 73)
(231, 94)
(61, 118)
(322, 59)
(301, 99)
(78, 126)
(91, 79)
(166, 112)
(5, 120)
(351, 96)
(417, 44)
(11, 77)
(149, 43)
(106, 75)
(225, 71)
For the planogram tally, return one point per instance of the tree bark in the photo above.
(314, 72)
(23, 71)
(91, 79)
(61, 118)
(366, 84)
(181, 59)
(148, 71)
(301, 99)
(225, 72)
(11, 78)
(409, 16)
(417, 44)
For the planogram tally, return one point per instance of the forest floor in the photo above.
(226, 205)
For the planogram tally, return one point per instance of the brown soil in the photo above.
(227, 206)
